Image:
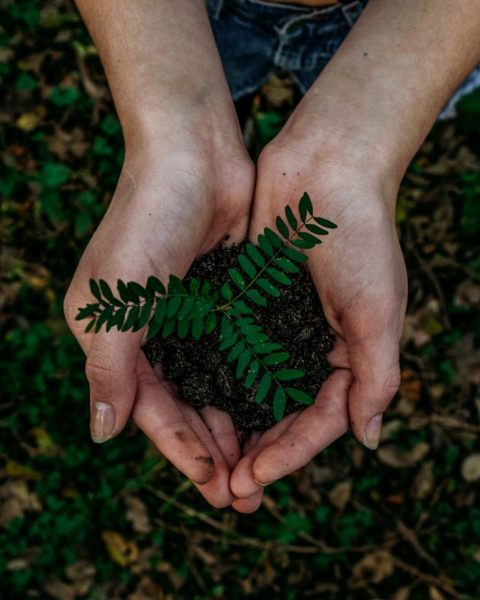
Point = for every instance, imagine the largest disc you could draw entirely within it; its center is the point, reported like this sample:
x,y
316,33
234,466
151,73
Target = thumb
x,y
374,363
111,372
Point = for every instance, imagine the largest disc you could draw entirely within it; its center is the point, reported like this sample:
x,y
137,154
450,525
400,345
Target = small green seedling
x,y
198,310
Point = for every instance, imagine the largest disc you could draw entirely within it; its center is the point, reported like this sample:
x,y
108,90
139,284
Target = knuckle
x,y
101,376
391,384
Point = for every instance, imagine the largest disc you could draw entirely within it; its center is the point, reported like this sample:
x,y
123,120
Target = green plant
x,y
200,310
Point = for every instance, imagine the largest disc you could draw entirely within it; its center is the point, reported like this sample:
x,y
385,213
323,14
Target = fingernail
x,y
102,422
371,436
264,484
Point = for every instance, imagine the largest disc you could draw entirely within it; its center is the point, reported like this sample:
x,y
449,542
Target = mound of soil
x,y
200,370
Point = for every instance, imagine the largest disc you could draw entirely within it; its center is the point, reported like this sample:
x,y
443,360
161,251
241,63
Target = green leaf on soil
x,y
268,287
197,328
236,351
263,388
299,396
256,297
229,341
273,238
265,245
173,306
292,221
243,362
289,374
286,265
237,279
247,266
252,374
210,323
279,276
255,255
295,254
182,328
279,403
276,358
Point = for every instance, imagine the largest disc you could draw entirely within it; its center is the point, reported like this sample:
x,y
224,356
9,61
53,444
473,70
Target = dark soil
x,y
201,372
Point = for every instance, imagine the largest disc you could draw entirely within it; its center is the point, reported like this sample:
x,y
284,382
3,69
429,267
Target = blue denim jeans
x,y
256,37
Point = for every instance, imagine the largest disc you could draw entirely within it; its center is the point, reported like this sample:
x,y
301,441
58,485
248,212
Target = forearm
x,y
161,62
390,78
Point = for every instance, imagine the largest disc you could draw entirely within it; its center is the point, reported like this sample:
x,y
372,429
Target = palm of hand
x,y
360,277
145,233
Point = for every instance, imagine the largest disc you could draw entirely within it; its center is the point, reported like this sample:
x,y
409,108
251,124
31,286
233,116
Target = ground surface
x,y
116,521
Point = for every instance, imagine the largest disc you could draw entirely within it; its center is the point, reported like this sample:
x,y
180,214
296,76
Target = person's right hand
x,y
176,199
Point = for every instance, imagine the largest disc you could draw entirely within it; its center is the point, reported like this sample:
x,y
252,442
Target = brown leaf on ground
x,y
137,514
372,568
471,467
340,495
81,574
423,483
59,590
15,500
393,456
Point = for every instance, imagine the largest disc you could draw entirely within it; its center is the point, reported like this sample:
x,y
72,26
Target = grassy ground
x,y
116,521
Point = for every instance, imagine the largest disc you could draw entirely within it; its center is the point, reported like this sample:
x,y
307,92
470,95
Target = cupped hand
x,y
360,277
169,207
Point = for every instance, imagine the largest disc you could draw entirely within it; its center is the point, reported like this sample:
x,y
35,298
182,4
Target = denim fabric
x,y
256,37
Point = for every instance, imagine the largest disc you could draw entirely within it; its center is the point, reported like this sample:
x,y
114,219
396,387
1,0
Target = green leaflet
x,y
263,388
299,396
247,266
255,255
279,403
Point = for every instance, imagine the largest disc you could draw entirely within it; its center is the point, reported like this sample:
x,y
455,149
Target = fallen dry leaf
x,y
393,456
59,590
423,483
471,467
340,495
122,551
137,514
373,568
15,500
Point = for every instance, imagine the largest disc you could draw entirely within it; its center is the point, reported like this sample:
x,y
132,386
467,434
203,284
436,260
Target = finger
x,y
111,372
159,417
242,482
313,430
373,351
248,505
217,490
223,432
338,357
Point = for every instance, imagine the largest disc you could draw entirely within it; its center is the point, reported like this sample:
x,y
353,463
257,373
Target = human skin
x,y
348,144
186,183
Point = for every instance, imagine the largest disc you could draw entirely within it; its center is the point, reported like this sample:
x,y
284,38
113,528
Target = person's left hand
x,y
360,276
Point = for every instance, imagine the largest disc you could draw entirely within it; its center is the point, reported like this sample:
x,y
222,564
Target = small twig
x,y
430,579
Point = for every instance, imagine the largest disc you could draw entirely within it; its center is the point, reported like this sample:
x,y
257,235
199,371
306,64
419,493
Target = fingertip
x,y
249,505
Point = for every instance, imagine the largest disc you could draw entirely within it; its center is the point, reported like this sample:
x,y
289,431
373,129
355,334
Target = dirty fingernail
x,y
102,422
371,436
